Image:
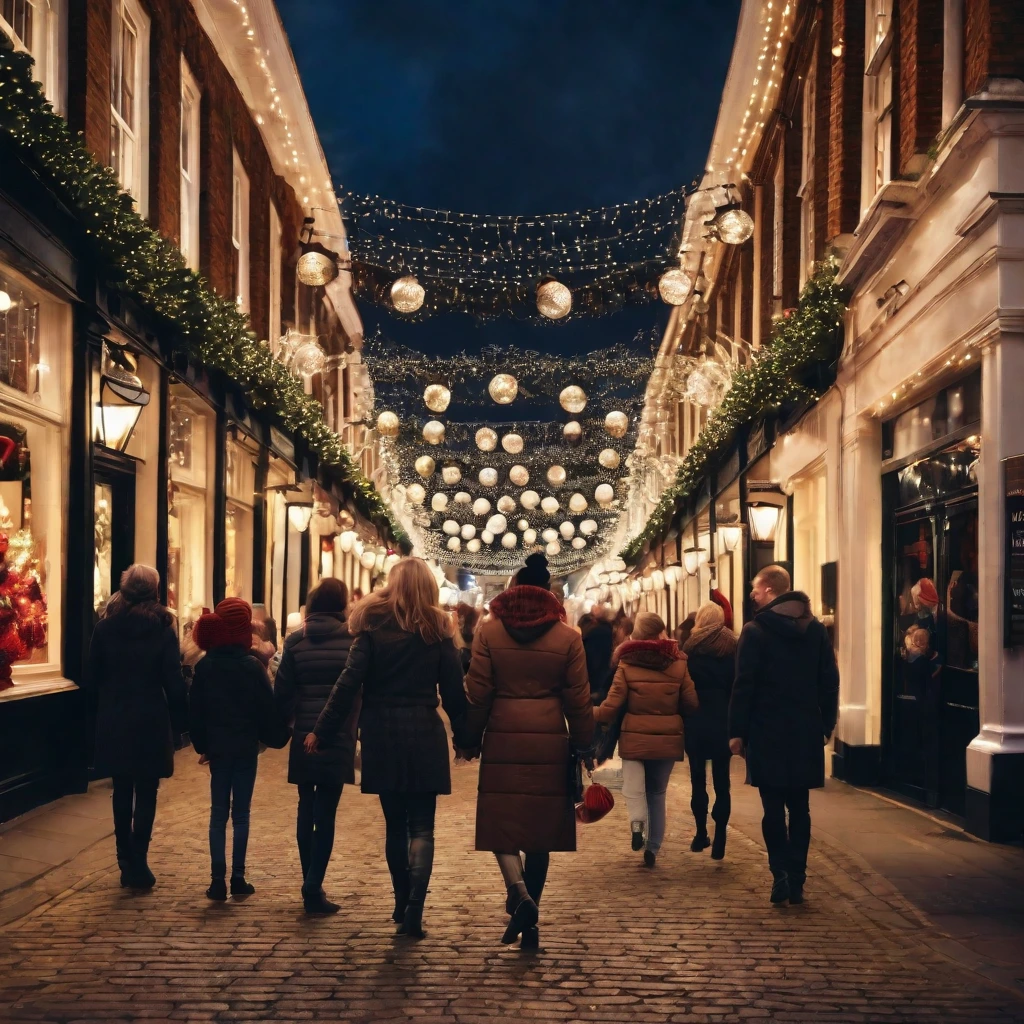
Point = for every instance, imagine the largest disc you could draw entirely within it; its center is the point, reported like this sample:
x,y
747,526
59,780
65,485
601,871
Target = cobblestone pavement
x,y
692,941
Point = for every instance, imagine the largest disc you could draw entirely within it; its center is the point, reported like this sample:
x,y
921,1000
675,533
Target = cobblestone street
x,y
694,940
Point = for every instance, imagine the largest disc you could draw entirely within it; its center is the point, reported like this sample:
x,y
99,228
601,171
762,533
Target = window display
x,y
238,527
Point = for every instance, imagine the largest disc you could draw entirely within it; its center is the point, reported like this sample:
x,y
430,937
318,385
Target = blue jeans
x,y
232,780
644,784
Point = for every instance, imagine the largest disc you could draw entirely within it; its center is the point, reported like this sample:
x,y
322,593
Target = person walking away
x,y
314,657
651,692
469,618
785,702
231,712
685,628
403,655
598,642
711,650
527,679
135,686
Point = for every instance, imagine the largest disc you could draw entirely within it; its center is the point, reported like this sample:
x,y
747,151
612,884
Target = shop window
x,y
806,193
189,150
952,410
276,254
103,503
778,211
240,231
240,483
34,26
880,89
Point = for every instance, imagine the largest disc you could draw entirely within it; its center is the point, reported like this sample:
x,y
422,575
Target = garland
x,y
142,263
810,336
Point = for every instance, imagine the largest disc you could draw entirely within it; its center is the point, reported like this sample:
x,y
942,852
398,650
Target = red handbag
x,y
596,803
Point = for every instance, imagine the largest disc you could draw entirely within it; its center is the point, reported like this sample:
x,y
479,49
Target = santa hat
x,y
723,602
926,592
228,625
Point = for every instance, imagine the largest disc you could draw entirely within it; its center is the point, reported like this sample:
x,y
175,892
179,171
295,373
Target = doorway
x,y
113,523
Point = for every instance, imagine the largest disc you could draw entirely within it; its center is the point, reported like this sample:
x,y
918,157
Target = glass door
x,y
113,524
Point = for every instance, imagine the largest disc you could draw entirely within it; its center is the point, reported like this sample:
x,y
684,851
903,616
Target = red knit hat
x,y
927,592
228,625
723,602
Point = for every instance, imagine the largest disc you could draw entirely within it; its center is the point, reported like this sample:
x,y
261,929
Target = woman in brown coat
x,y
652,690
526,679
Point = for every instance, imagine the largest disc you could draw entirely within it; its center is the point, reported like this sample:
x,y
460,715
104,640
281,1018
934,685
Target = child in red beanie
x,y
231,712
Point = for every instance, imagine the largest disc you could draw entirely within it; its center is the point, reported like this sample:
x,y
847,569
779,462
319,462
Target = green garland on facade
x,y
810,336
142,263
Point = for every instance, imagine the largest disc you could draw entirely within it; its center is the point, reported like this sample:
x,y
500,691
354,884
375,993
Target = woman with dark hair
x,y
136,687
315,655
527,677
402,657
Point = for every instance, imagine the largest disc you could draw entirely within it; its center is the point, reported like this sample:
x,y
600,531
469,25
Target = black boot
x,y
125,861
780,888
522,912
218,889
142,877
401,889
531,939
412,922
718,846
318,903
700,842
239,886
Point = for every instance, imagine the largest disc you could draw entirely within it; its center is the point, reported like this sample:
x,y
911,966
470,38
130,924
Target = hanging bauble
x,y
387,424
463,498
674,286
529,499
549,535
451,475
486,439
425,466
486,536
512,443
554,300
588,527
616,423
572,431
529,537
488,477
523,525
549,505
503,388
450,527
573,399
553,548
416,494
577,503
368,558
436,397
706,385
519,475
605,494
734,226
454,544
556,475
316,266
497,524
579,543
309,358
567,530
439,502
609,458
481,507
407,294
433,431
473,545
506,504
468,531
509,541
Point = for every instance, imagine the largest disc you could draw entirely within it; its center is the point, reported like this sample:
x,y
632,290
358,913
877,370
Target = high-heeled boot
x,y
400,885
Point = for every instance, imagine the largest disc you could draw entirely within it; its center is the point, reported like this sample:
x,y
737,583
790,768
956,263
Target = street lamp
x,y
692,560
299,517
122,399
764,520
730,535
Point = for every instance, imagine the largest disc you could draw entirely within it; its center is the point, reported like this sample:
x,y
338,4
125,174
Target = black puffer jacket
x,y
231,706
314,657
712,664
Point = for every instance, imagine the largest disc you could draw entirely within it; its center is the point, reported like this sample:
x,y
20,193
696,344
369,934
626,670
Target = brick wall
x,y
993,42
845,117
822,105
920,80
89,31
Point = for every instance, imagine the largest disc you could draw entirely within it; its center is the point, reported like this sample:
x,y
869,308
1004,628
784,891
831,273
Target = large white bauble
x,y
474,545
567,530
433,431
549,505
468,531
486,439
549,535
450,527
588,527
425,466
439,502
579,543
605,494
407,294
553,548
506,504
436,397
481,507
488,477
486,536
509,540
523,524
556,475
616,423
512,443
519,475
368,558
503,388
577,503
451,475
529,537
573,399
416,494
454,544
387,424
529,499
497,524
554,300
609,458
572,431
464,497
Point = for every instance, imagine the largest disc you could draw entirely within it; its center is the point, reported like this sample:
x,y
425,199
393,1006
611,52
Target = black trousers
x,y
314,831
409,841
787,847
134,805
699,790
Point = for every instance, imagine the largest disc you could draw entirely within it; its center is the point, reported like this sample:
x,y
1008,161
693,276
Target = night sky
x,y
513,106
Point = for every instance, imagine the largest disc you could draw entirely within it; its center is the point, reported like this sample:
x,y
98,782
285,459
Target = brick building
x,y
887,134
198,109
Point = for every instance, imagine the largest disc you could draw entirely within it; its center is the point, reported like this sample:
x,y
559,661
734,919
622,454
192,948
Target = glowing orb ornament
x,y
529,499
316,268
579,543
450,527
486,536
497,524
416,494
572,431
387,424
468,531
674,286
309,358
425,466
486,439
529,537
519,475
481,507
734,225
451,475
433,431
503,388
436,397
567,530
506,504
573,399
609,458
549,505
509,541
512,443
577,503
454,544
439,502
616,423
588,527
605,494
488,477
464,498
523,525
553,548
474,545
407,294
556,475
549,535
554,300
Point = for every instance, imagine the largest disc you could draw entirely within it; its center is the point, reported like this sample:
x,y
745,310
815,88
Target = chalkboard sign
x,y
1014,601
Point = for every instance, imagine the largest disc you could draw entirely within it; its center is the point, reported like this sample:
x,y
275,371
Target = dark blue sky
x,y
513,106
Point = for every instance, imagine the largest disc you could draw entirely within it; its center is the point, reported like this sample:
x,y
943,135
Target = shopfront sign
x,y
1013,612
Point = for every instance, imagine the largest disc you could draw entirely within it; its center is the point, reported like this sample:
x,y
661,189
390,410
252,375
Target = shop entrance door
x,y
933,707
114,523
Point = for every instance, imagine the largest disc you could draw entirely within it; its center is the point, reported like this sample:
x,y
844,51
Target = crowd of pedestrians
x,y
529,696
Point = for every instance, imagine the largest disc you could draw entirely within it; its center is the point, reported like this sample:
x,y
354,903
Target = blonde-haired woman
x,y
403,655
652,691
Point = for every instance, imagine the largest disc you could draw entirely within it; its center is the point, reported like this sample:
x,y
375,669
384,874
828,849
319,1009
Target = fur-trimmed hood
x,y
715,641
656,654
526,612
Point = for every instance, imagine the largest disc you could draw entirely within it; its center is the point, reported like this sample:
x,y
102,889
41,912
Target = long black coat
x,y
314,657
135,684
597,645
712,664
785,701
404,744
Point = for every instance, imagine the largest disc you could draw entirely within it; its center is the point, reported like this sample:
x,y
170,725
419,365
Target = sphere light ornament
x,y
316,267
605,494
486,439
309,358
572,431
734,225
347,541
454,544
509,541
388,424
529,537
481,507
579,543
609,458
577,503
436,397
519,475
497,524
588,527
368,558
549,505
468,531
573,399
512,443
451,527
439,502
554,300
567,530
503,388
474,545
433,431
464,498
616,423
486,536
522,525
488,477
556,475
416,493
407,294
451,475
506,504
529,499
425,466
549,535
553,548
674,286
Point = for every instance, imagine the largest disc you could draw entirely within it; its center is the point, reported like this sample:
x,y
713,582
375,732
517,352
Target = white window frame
x,y
240,231
276,256
189,167
806,192
881,119
46,46
135,178
778,224
879,24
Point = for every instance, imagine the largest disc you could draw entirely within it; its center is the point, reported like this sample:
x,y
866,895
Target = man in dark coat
x,y
785,702
598,640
